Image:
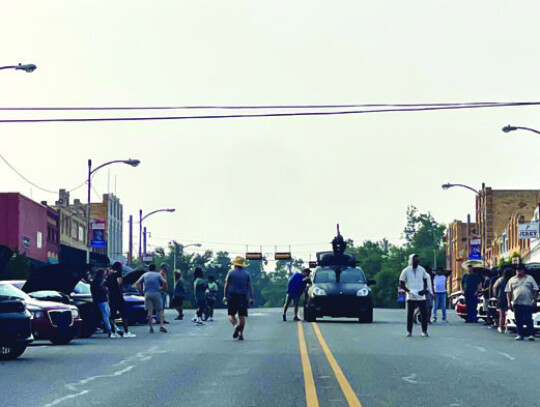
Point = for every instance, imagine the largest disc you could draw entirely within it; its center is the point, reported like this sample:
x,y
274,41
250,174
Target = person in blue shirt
x,y
295,289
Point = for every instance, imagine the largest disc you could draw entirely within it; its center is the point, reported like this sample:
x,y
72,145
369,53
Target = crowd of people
x,y
106,288
513,290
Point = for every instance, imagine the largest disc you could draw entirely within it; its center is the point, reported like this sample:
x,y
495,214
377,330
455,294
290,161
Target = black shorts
x,y
117,308
237,304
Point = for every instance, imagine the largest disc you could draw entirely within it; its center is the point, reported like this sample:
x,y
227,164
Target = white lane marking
x,y
68,397
452,357
73,386
141,356
506,355
481,349
410,379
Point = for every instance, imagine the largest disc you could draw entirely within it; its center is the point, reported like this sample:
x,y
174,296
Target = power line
x,y
242,107
266,115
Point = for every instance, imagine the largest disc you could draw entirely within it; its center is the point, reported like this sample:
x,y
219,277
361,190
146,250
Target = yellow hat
x,y
240,262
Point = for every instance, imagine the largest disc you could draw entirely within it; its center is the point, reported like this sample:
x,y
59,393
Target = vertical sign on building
x,y
475,249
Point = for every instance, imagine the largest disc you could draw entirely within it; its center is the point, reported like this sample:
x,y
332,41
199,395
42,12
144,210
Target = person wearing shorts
x,y
237,288
152,284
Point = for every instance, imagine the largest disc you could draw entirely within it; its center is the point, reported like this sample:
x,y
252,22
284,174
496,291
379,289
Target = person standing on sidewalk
x,y
522,292
116,298
295,289
237,288
178,295
211,297
100,297
439,283
199,289
414,281
152,284
499,289
471,284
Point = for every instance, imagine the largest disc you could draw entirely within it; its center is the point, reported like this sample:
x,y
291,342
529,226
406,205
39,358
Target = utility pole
x,y
130,250
144,238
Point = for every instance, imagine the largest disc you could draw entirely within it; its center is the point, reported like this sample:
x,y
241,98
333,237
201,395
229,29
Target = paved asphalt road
x,y
371,365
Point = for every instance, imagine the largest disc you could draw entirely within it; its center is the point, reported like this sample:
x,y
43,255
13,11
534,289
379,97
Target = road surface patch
x,y
309,382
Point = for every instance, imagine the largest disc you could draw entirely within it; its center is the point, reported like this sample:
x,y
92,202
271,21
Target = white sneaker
x,y
210,319
425,334
518,338
129,335
499,330
531,338
194,319
114,336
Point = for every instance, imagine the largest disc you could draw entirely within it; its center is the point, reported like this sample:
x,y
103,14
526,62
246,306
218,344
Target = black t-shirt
x,y
114,289
99,291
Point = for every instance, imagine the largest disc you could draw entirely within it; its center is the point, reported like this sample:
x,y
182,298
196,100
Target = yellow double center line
x,y
309,382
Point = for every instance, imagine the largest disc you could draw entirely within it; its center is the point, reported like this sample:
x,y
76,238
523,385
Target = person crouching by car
x,y
499,289
100,296
471,285
522,292
414,281
152,284
178,295
295,289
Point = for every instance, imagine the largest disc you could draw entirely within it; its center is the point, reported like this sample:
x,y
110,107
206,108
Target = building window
x,y
39,240
81,233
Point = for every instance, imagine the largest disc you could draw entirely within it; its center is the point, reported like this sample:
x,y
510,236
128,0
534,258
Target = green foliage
x,y
18,267
508,262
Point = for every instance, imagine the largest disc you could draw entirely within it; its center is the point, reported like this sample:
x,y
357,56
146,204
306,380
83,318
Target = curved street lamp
x,y
478,193
26,67
175,243
141,218
132,163
508,129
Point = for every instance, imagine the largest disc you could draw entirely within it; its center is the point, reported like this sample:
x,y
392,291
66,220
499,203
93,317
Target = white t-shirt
x,y
440,284
414,281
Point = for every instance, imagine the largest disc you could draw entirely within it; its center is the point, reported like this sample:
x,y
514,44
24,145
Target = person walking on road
x,y
471,284
414,281
178,295
152,284
211,297
522,292
199,290
237,288
499,289
116,298
439,283
100,297
295,289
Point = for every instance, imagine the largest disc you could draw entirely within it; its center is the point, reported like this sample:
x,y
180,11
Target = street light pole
x,y
508,129
26,67
141,219
133,163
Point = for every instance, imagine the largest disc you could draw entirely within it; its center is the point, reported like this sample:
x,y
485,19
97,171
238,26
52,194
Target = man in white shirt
x,y
414,281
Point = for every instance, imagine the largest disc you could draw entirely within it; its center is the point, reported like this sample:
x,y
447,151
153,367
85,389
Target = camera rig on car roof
x,y
337,257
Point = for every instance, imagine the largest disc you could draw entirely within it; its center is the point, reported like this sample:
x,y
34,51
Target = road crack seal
x,y
411,379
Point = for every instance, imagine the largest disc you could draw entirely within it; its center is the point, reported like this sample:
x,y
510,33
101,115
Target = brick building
x,y
457,250
29,226
72,221
496,207
106,220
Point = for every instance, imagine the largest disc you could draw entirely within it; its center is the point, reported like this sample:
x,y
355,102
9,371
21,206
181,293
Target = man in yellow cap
x,y
237,288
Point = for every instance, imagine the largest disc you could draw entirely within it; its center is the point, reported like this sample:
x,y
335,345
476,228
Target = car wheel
x,y
61,339
309,314
11,352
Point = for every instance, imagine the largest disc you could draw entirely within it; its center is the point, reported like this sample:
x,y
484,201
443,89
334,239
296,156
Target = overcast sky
x,y
273,181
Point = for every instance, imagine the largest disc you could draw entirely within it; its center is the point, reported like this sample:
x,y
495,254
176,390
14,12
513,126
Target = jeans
x,y
471,300
523,315
210,307
411,306
106,314
440,302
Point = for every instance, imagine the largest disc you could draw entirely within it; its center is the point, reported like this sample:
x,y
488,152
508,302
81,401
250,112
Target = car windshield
x,y
10,291
82,288
348,275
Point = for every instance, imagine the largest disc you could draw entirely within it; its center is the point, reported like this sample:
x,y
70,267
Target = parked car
x,y
15,326
339,289
54,321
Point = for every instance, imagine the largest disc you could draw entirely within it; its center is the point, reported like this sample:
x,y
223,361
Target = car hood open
x,y
132,277
56,277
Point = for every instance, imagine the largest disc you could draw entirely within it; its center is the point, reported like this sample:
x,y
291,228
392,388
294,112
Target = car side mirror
x,y
371,282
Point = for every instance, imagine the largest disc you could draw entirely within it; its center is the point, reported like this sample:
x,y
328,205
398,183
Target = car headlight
x,y
75,313
363,292
317,291
37,314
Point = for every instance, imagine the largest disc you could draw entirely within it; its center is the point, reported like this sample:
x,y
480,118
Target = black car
x,y
15,327
340,290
